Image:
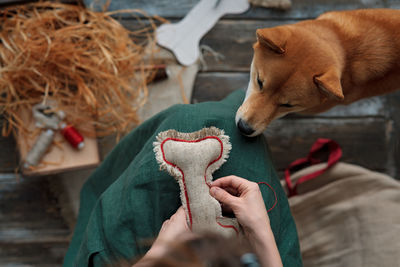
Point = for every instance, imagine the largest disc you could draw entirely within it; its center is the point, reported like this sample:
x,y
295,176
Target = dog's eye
x,y
287,105
260,83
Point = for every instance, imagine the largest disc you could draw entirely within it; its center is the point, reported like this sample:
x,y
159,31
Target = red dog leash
x,y
335,153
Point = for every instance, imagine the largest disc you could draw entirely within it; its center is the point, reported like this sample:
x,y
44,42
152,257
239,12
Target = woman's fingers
x,y
222,196
234,182
231,191
180,213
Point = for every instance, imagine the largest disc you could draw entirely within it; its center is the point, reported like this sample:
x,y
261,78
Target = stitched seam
x,y
229,226
205,173
183,180
196,141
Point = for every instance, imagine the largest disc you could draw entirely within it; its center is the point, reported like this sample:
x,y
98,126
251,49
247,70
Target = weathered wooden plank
x,y
301,9
8,154
364,140
308,9
30,212
393,105
374,106
4,3
47,254
393,4
22,235
234,40
217,85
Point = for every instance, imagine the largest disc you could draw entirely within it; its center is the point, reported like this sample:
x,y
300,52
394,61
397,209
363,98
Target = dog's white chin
x,y
256,133
237,117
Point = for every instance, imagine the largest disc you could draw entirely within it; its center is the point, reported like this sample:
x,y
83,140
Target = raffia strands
x,y
92,67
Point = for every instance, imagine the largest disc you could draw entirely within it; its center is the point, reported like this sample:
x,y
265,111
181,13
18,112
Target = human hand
x,y
173,229
244,199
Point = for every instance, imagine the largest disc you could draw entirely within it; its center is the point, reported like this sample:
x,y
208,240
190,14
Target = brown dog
x,y
313,65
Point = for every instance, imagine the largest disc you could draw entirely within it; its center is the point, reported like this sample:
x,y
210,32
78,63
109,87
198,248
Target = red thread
x,y
183,175
196,141
229,226
276,198
72,136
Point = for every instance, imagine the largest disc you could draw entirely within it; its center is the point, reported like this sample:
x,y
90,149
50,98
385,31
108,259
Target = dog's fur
x,y
313,65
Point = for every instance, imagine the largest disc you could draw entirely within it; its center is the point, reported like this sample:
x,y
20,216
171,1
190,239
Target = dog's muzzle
x,y
244,128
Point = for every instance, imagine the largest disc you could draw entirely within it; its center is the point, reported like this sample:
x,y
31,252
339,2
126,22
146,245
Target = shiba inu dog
x,y
314,65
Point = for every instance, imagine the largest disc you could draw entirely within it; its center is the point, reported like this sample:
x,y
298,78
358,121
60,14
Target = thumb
x,y
180,213
222,196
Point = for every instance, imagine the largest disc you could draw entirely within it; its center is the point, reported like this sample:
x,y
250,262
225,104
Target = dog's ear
x,y
274,38
329,83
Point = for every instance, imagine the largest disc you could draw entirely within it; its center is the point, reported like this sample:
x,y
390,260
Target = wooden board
x,y
393,4
232,39
301,9
58,158
63,158
39,254
32,230
393,107
5,3
8,155
357,136
215,86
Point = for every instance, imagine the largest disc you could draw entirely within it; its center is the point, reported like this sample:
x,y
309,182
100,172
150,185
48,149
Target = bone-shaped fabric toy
x,y
192,158
183,38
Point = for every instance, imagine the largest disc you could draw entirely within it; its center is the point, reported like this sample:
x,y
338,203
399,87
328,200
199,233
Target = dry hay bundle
x,y
91,66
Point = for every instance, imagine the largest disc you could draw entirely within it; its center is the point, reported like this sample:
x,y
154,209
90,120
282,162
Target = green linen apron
x,y
126,200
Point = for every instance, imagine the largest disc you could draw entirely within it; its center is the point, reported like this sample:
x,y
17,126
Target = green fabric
x,y
126,200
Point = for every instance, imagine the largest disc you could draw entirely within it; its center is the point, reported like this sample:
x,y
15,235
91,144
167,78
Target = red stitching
x,y
183,179
276,198
229,226
196,141
205,173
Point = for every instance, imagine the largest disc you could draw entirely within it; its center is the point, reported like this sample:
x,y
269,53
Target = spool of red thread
x,y
72,136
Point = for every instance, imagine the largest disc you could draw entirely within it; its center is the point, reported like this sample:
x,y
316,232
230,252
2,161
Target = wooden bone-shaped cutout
x,y
192,158
183,37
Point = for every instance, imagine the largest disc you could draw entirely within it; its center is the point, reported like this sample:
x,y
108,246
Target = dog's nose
x,y
244,128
